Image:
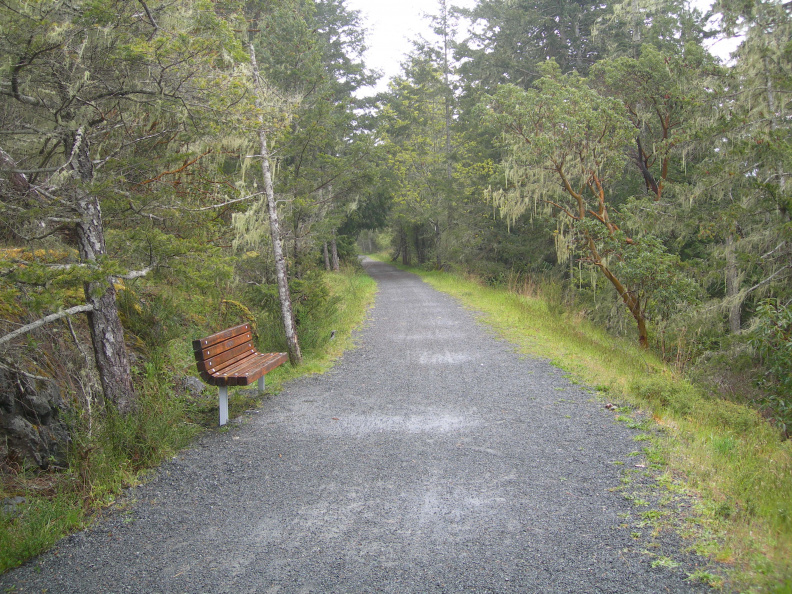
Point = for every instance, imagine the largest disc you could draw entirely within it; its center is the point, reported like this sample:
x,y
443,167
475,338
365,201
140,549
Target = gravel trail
x,y
432,458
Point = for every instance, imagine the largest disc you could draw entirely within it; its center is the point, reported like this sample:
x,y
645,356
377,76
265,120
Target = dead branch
x,y
224,204
45,320
137,273
174,171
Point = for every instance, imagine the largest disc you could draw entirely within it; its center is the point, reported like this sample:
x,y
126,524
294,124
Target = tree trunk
x,y
326,257
733,301
773,123
334,250
632,304
420,249
404,247
287,314
296,252
630,300
107,333
438,247
636,24
447,95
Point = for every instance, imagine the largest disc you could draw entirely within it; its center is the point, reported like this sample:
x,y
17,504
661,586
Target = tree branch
x,y
26,374
149,15
216,206
771,252
175,171
765,281
137,273
562,209
45,320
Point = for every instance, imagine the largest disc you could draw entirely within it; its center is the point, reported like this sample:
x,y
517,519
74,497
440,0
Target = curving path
x,y
432,458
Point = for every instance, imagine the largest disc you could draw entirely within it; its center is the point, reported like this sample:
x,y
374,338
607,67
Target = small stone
x,y
193,385
10,506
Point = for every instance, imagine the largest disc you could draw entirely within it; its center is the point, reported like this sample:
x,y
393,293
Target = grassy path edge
x,y
61,503
733,464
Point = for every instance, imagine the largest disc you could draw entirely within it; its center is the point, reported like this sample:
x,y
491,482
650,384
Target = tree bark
x,y
326,257
334,248
287,314
630,300
733,287
107,333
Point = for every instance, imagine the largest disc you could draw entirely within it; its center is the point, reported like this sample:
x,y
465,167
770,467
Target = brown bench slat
x,y
266,362
222,372
246,371
223,360
209,341
224,346
249,370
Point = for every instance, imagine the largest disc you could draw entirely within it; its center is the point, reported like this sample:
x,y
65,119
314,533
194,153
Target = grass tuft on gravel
x,y
737,465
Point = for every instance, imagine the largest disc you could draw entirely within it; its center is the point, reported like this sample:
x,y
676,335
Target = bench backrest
x,y
218,351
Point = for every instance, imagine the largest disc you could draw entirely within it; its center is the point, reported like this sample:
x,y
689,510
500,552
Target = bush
x,y
772,339
152,317
314,312
679,397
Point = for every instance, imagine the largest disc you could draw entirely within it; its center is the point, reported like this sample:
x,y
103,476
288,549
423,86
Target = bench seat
x,y
228,358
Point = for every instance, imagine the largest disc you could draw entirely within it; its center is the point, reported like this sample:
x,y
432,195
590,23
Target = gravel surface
x,y
432,458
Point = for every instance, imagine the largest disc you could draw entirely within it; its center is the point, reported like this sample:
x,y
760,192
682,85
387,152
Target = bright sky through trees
x,y
391,26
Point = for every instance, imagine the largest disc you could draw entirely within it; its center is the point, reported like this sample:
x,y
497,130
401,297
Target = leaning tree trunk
x,y
632,303
287,314
107,333
630,300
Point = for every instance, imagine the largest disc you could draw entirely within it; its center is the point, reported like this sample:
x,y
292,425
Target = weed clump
x,y
675,396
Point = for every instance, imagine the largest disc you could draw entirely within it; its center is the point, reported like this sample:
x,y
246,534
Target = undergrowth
x,y
737,464
109,453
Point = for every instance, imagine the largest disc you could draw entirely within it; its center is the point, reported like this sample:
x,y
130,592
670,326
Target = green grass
x,y
118,452
40,524
736,464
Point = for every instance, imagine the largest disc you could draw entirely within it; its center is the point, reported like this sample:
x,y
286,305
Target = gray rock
x,y
31,428
193,385
10,506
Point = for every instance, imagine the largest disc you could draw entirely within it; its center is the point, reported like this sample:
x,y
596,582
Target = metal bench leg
x,y
261,384
223,405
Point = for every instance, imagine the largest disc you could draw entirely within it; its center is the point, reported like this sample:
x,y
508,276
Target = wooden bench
x,y
228,358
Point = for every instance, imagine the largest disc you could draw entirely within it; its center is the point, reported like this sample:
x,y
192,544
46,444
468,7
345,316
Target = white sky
x,y
391,24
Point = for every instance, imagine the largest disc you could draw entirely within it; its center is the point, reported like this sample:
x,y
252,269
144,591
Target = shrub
x,y
772,339
314,312
677,396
